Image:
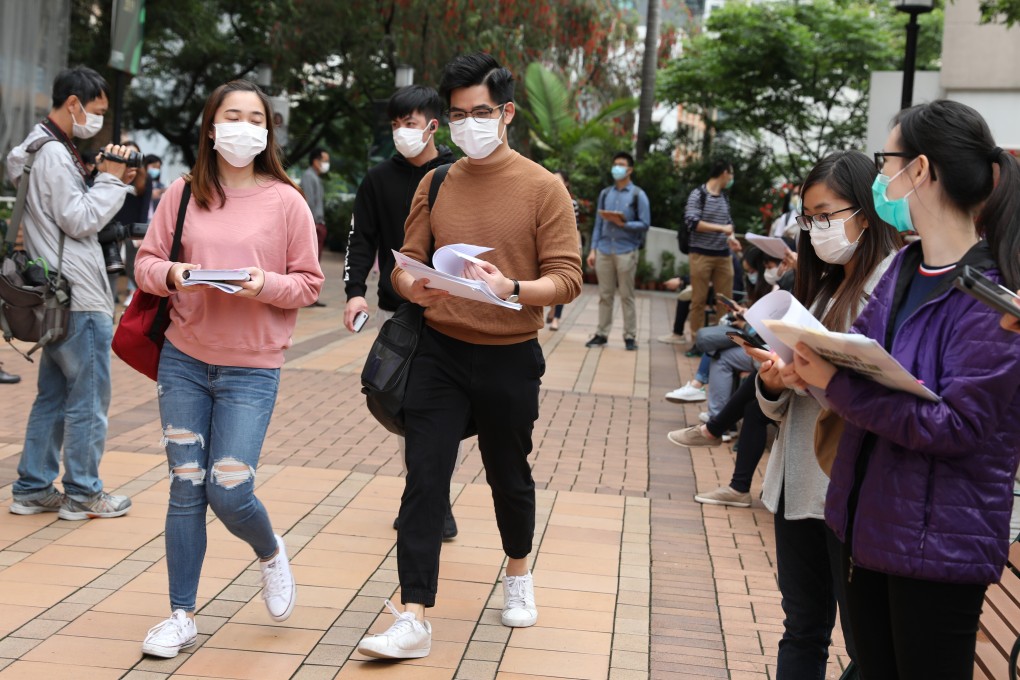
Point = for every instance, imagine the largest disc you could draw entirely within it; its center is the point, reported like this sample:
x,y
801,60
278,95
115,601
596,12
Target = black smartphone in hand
x,y
732,304
743,338
999,298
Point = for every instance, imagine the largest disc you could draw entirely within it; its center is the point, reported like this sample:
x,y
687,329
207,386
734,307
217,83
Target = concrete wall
x,y
884,101
978,56
659,241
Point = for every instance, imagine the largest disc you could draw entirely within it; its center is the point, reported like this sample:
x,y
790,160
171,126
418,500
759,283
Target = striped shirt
x,y
716,211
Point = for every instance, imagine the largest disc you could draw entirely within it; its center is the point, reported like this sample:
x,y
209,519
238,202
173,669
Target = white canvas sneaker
x,y
687,394
168,638
519,609
407,638
278,589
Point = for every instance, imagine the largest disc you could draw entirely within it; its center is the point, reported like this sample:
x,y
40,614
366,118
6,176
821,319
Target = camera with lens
x,y
110,238
134,159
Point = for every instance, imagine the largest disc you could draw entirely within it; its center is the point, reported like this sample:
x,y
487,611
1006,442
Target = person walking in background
x,y
154,169
136,210
478,362
708,218
382,205
921,490
311,185
622,221
219,370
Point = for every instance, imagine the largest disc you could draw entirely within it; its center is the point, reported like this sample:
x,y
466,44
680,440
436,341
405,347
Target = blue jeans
x,y
69,411
214,422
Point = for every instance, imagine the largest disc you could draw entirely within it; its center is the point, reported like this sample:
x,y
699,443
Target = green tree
x,y
1000,11
790,74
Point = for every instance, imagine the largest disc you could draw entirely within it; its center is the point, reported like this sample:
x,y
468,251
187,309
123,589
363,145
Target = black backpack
x,y
683,235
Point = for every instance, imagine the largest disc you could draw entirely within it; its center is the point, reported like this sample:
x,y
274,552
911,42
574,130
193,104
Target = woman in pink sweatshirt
x,y
220,366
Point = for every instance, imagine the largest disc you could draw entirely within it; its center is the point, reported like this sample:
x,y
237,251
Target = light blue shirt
x,y
610,239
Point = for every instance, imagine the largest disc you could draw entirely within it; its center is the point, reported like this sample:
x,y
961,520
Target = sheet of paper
x,y
216,275
855,352
770,245
470,289
225,287
450,259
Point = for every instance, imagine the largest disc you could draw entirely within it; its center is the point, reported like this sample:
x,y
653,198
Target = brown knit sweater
x,y
524,213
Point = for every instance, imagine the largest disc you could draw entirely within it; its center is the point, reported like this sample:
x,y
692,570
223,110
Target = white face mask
x,y
831,245
409,142
772,276
239,143
323,167
93,124
477,138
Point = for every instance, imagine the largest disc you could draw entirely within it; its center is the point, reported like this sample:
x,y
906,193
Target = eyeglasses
x,y
457,117
880,157
821,220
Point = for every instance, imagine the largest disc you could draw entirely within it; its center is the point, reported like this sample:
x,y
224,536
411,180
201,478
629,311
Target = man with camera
x,y
61,209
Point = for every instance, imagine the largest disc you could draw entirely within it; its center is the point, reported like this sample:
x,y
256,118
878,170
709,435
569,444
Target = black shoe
x,y
396,523
8,378
693,352
316,304
449,525
630,343
597,341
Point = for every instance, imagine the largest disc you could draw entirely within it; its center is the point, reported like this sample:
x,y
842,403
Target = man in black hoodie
x,y
384,197
383,203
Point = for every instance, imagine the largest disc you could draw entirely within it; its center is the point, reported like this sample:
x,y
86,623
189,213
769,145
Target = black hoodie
x,y
381,207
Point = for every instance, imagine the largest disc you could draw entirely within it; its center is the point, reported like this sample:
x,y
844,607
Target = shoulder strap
x,y
704,196
437,179
602,199
19,202
161,320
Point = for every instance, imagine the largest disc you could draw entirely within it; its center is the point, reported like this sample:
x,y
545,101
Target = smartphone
x,y
999,298
732,304
743,338
359,321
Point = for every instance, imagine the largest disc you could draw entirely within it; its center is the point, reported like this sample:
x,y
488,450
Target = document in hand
x,y
770,245
783,322
449,273
217,278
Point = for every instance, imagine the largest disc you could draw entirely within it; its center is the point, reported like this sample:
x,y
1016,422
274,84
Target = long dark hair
x,y
849,175
756,259
204,177
962,152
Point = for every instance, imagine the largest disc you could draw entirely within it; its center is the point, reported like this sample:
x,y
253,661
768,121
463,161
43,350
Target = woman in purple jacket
x,y
921,491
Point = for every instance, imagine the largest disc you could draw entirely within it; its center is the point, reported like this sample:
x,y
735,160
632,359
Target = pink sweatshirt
x,y
269,227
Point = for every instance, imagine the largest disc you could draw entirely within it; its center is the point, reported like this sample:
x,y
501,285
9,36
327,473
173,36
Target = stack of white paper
x,y
449,273
216,278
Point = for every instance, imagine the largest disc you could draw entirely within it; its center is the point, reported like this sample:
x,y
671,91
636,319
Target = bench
x,y
998,640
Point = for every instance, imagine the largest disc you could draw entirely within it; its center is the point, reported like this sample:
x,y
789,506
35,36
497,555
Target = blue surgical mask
x,y
154,173
752,278
619,172
729,185
895,212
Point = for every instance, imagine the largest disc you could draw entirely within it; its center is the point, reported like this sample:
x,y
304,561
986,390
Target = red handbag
x,y
142,328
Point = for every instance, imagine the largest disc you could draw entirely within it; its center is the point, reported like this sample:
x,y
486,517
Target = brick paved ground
x,y
634,579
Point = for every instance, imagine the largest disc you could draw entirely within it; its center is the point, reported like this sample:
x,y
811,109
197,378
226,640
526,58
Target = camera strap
x,y
59,135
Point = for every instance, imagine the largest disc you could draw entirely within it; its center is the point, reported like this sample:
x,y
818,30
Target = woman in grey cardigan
x,y
844,249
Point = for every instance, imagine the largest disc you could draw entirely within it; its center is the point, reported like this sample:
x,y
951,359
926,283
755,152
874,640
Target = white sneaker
x,y
519,609
407,638
704,417
687,394
278,589
166,639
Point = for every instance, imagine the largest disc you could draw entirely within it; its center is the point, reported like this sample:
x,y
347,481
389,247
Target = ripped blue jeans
x,y
214,422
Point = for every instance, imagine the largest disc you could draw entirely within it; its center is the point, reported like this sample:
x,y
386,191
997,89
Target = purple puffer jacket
x,y
935,484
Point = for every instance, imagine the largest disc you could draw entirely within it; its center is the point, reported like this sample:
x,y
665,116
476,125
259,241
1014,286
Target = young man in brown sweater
x,y
478,361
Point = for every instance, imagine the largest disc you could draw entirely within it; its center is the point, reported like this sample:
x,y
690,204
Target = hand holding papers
x,y
449,273
783,322
217,278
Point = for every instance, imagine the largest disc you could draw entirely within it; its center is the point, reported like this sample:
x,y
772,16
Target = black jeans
x,y
683,308
808,564
450,383
909,629
743,405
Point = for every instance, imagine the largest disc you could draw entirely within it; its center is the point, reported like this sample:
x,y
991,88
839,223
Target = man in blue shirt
x,y
621,224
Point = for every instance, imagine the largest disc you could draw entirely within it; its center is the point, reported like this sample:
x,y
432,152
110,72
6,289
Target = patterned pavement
x,y
633,579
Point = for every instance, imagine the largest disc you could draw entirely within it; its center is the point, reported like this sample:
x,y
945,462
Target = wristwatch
x,y
513,297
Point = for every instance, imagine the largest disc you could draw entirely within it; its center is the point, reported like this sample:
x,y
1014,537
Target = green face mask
x,y
730,183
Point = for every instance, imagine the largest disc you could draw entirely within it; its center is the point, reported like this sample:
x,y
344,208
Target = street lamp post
x,y
913,8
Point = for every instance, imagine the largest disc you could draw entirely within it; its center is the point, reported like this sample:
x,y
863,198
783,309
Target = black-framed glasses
x,y
821,220
457,116
880,157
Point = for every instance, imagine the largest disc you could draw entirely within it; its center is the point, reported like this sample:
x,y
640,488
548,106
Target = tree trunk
x,y
648,69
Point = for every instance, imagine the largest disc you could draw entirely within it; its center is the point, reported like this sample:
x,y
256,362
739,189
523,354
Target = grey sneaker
x,y
51,502
100,506
692,436
725,495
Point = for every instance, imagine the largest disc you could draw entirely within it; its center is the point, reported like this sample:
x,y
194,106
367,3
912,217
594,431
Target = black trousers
x,y
909,629
807,561
683,308
450,383
743,405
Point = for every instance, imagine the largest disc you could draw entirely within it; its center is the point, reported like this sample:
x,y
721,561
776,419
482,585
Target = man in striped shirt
x,y
708,218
